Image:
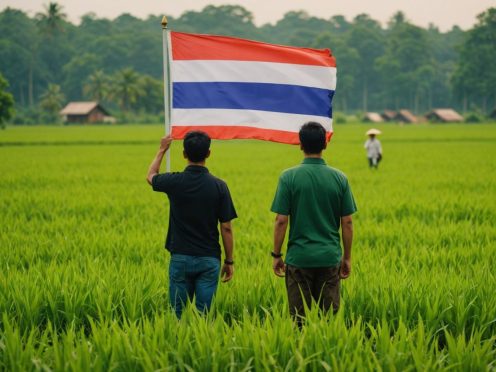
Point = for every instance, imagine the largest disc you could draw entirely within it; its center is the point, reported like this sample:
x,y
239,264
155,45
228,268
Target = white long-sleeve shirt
x,y
373,146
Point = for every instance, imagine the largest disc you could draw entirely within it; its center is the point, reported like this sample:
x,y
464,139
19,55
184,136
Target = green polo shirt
x,y
315,197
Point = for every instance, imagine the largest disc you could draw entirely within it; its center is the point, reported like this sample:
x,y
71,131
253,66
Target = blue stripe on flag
x,y
292,99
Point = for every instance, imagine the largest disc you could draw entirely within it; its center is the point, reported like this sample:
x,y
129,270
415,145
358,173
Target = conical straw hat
x,y
373,131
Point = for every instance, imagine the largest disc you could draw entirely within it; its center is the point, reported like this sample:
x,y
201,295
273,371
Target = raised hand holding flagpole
x,y
167,86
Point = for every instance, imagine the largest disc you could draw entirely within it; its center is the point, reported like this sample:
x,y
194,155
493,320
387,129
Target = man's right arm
x,y
347,237
227,213
226,232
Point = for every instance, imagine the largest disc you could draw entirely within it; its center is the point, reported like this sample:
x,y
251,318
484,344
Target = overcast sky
x,y
442,13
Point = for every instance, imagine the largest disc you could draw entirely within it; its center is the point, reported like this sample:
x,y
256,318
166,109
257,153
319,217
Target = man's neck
x,y
313,156
200,164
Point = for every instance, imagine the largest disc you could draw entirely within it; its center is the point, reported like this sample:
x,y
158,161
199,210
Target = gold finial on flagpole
x,y
164,22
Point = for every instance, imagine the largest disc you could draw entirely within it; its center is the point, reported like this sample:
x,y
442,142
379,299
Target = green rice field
x,y
83,279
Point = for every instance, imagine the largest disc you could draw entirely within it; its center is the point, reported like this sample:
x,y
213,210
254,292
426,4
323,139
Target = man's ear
x,y
184,154
325,145
301,147
208,154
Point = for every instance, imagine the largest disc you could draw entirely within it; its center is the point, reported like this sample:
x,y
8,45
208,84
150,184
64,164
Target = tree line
x,y
48,60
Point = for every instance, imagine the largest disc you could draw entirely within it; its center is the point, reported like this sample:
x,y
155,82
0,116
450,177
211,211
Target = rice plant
x,y
83,280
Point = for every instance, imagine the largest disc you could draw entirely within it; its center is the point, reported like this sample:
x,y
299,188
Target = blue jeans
x,y
192,276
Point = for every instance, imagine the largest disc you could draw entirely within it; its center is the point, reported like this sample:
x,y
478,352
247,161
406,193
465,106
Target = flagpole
x,y
167,91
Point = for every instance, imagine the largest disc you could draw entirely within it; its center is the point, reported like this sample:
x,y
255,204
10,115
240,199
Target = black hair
x,y
312,137
196,145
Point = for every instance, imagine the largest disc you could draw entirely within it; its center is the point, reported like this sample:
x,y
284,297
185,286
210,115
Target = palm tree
x,y
52,20
6,102
52,99
97,86
153,100
126,88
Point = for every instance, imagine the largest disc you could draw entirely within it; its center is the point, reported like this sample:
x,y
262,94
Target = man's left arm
x,y
281,205
280,227
165,143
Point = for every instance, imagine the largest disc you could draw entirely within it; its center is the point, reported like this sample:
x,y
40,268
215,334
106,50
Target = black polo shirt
x,y
198,202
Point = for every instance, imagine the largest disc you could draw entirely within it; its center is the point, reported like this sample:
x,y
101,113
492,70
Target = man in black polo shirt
x,y
198,202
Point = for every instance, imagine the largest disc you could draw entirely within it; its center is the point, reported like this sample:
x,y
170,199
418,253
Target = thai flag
x,y
237,88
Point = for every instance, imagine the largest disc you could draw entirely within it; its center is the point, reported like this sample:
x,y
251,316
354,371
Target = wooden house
x,y
405,116
86,112
388,115
372,117
445,115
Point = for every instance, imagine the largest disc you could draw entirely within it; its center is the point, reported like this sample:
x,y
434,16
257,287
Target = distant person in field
x,y
374,148
316,200
198,203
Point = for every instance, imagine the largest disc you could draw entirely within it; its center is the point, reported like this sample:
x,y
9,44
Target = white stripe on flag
x,y
254,72
251,118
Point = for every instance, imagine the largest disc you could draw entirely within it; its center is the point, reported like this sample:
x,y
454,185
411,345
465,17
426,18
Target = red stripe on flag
x,y
209,47
241,132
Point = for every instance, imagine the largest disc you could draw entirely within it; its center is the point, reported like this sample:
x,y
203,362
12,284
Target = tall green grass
x,y
83,284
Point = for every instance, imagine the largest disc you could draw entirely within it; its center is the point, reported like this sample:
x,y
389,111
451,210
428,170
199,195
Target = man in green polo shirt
x,y
316,200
